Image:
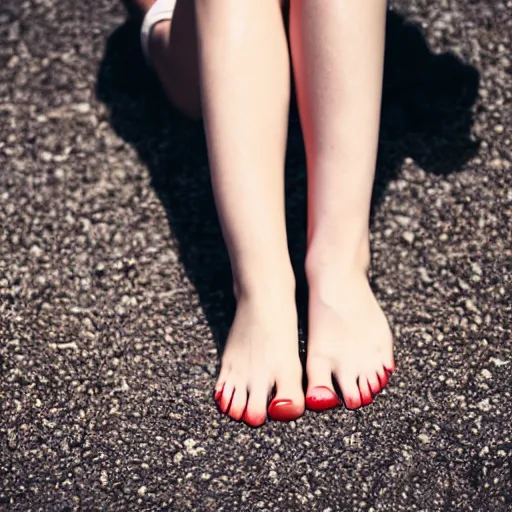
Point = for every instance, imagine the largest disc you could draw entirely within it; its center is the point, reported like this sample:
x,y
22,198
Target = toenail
x,y
252,420
225,402
283,410
390,369
237,416
218,393
383,379
353,404
279,403
366,400
321,398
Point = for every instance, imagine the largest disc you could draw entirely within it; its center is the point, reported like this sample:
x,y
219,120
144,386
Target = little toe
x,y
320,394
256,412
238,403
221,380
389,365
364,389
288,404
218,392
350,391
227,395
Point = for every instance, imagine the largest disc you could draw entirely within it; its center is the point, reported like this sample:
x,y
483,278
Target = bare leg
x,y
337,49
245,83
173,55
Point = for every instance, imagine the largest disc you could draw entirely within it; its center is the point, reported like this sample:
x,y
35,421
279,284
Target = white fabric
x,y
161,10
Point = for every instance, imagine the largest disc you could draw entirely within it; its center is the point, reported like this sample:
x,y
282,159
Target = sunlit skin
x,y
229,62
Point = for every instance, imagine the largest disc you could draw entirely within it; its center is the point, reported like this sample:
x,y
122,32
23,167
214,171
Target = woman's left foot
x,y
350,338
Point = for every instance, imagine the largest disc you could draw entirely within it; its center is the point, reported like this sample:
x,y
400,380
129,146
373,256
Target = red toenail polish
x,y
283,410
321,398
252,420
278,404
390,369
218,393
383,379
366,400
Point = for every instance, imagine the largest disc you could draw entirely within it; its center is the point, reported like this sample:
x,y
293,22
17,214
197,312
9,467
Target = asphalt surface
x,y
115,291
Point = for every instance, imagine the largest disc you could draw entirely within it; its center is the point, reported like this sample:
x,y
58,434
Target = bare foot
x,y
350,338
262,352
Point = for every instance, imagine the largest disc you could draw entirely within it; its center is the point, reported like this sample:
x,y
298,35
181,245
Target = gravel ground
x,y
115,291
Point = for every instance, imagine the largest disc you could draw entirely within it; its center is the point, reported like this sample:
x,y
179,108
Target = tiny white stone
x,y
36,251
403,220
484,451
82,108
498,362
142,490
477,269
424,438
486,374
189,443
408,237
484,405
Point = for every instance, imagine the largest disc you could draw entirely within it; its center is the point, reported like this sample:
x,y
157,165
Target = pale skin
x,y
229,62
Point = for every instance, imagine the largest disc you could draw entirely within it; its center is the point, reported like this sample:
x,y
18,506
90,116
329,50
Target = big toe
x,y
288,404
320,394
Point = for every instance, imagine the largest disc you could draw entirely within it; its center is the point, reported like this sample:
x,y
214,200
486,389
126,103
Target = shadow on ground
x,y
426,115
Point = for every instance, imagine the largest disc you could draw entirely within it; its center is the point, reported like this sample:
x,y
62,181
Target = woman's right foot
x,y
261,354
349,337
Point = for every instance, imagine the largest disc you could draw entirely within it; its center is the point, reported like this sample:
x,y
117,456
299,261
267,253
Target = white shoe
x,y
161,10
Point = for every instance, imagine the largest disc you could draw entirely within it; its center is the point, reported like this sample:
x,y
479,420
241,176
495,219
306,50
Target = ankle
x,y
265,288
329,266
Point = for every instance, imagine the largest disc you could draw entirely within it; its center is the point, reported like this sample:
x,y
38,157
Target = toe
x,y
364,390
383,377
350,391
321,398
221,380
389,365
284,409
218,392
320,394
256,411
373,382
227,395
288,404
238,403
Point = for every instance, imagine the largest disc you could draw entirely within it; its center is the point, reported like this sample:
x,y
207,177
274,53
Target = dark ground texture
x,y
115,291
